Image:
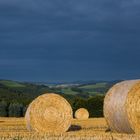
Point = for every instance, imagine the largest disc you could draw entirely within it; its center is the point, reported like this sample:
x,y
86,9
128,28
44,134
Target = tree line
x,y
11,109
93,104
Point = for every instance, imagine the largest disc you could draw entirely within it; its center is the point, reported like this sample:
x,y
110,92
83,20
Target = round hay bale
x,y
49,113
122,107
82,114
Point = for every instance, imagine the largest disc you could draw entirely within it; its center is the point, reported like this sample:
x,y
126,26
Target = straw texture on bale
x,y
122,107
49,113
82,114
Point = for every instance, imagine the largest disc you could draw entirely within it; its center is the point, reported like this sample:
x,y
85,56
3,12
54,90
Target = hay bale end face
x,y
82,114
122,107
49,113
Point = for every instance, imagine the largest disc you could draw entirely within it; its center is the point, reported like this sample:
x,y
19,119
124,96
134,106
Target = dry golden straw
x,y
49,113
122,107
82,114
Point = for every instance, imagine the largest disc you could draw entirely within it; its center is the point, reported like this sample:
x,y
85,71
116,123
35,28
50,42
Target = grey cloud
x,y
94,37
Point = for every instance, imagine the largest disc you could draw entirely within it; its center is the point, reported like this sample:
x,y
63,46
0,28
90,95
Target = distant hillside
x,y
16,96
83,89
24,92
87,89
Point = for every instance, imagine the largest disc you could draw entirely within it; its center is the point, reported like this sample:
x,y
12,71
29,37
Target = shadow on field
x,y
108,130
74,128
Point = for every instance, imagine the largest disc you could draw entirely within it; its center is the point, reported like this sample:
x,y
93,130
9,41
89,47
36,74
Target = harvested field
x,y
91,129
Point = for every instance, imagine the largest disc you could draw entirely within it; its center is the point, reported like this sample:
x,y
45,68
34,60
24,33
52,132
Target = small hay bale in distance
x,y
49,113
82,114
122,107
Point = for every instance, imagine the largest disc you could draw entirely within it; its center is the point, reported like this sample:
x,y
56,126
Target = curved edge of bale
x,y
116,106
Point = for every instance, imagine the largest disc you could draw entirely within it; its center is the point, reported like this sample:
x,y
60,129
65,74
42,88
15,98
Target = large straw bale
x,y
82,114
122,107
49,113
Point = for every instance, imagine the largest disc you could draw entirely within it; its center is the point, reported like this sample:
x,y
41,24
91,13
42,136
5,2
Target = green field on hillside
x,y
11,83
94,86
68,91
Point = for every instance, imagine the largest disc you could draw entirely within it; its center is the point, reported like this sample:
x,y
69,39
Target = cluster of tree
x,y
11,109
93,104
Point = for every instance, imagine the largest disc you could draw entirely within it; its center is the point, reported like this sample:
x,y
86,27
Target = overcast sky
x,y
68,40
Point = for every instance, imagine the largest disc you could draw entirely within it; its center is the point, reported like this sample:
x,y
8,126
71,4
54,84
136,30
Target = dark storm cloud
x,y
69,40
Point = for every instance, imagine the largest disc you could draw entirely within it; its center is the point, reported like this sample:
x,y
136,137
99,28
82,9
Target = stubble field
x,y
91,129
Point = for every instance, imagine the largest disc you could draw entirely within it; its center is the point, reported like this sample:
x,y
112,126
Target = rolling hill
x,y
16,96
